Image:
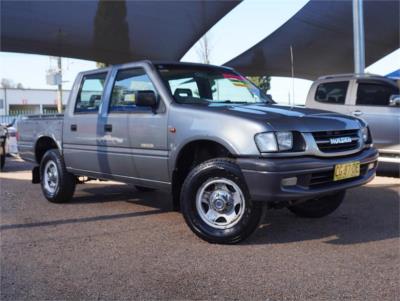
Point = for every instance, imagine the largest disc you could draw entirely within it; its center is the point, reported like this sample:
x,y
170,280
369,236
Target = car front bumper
x,y
314,176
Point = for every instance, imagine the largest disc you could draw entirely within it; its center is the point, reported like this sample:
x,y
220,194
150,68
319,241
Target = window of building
x,y
332,93
375,94
90,93
127,83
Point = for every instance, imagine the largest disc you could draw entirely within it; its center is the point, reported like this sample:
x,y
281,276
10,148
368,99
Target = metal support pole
x,y
358,37
59,87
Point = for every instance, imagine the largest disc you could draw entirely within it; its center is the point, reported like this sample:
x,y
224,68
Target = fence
x,y
7,119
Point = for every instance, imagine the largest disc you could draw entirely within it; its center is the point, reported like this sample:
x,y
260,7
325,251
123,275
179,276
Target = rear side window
x,y
128,82
90,93
375,94
333,93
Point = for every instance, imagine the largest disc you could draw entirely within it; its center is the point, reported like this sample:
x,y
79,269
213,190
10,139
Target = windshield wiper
x,y
230,101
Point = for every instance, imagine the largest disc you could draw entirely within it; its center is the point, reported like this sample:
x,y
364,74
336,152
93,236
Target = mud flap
x,y
36,175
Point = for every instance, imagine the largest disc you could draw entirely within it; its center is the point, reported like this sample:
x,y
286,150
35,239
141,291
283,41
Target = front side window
x,y
375,94
127,83
209,85
90,93
332,93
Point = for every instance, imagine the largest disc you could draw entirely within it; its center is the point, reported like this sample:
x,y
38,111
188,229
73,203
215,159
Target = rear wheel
x,y
216,204
58,185
319,207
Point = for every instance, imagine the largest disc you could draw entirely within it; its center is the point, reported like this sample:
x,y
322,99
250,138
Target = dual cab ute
x,y
205,134
373,98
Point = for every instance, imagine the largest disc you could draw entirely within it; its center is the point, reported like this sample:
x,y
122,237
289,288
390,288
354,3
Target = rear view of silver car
x,y
373,98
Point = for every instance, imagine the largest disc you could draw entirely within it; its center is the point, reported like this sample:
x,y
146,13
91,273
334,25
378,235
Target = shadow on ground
x,y
369,213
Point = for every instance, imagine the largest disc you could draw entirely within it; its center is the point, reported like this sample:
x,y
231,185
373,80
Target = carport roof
x,y
108,31
321,34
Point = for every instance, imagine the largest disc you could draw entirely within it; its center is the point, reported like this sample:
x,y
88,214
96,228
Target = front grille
x,y
323,140
326,177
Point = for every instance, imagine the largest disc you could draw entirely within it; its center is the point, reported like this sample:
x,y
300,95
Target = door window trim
x,y
134,110
82,79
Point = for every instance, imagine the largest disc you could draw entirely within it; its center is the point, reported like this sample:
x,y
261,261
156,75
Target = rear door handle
x,y
357,113
108,127
74,127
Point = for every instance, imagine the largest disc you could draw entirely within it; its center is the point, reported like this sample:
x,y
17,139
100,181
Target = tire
x,y
2,157
58,185
143,189
2,161
211,189
319,207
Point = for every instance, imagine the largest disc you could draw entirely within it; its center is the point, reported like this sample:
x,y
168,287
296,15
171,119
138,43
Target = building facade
x,y
16,102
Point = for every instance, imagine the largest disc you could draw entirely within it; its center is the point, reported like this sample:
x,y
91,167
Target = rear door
x,y
371,103
81,123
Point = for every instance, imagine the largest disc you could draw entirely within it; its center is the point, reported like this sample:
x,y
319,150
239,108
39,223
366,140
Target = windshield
x,y
209,85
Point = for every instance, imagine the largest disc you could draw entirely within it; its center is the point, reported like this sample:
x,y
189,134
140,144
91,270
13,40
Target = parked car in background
x,y
11,142
3,137
373,98
8,142
205,134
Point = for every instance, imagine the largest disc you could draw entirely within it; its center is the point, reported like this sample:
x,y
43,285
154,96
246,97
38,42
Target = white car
x,y
11,141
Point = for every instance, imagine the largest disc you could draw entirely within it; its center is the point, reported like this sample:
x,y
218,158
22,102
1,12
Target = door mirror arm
x,y
147,98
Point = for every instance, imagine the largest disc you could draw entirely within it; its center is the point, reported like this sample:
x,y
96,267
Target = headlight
x,y
273,142
285,140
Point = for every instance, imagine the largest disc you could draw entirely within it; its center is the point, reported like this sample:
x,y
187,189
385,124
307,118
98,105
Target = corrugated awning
x,y
321,34
108,31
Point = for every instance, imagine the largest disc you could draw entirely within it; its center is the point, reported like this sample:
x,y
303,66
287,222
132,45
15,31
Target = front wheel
x,y
58,185
319,207
216,204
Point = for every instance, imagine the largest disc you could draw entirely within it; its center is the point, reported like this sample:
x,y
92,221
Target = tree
x,y
7,83
262,82
101,65
204,49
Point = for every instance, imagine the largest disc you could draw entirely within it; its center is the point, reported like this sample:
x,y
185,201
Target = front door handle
x,y
74,127
108,127
357,113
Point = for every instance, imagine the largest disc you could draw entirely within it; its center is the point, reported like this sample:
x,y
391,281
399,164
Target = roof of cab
x,y
157,63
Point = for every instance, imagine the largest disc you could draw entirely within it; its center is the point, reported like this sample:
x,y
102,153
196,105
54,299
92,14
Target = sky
x,y
261,19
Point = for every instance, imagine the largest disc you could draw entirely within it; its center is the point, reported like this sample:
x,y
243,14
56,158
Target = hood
x,y
287,118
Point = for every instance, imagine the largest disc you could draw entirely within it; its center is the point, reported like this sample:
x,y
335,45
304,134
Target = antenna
x,y
292,66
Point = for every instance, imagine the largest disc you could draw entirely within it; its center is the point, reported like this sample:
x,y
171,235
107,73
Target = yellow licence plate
x,y
346,170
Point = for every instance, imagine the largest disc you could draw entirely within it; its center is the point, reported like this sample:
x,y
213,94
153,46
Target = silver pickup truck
x,y
205,134
373,98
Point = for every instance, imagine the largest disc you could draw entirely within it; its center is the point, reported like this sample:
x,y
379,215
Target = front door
x,y
372,104
137,135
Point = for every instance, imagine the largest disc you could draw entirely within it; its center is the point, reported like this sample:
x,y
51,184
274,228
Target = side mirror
x,y
146,98
394,100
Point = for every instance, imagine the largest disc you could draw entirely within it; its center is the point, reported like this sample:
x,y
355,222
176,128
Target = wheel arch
x,y
42,145
191,154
